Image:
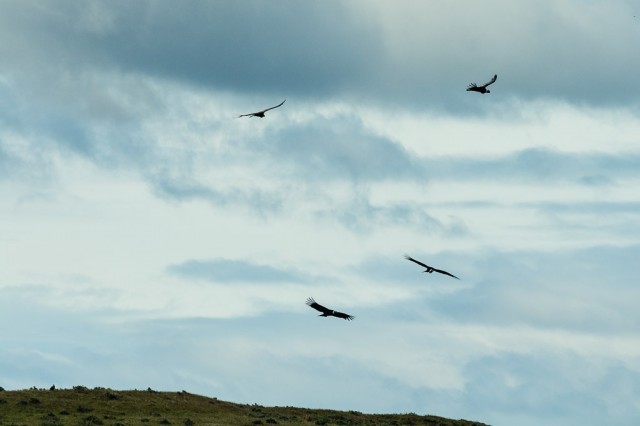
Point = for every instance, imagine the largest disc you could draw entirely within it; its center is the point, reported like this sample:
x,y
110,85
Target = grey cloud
x,y
543,163
540,165
10,164
301,159
603,220
588,290
567,58
549,388
361,215
49,344
226,270
246,45
186,188
595,180
341,148
250,45
599,207
320,50
68,123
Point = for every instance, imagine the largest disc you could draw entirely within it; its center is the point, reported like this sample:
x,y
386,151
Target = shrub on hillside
x,y
51,420
90,421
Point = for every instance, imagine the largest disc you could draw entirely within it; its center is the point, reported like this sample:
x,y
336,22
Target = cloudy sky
x,y
150,238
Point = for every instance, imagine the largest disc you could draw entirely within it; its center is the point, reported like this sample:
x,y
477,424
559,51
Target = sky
x,y
151,238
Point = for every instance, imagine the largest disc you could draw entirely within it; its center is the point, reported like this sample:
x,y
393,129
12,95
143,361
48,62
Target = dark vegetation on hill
x,y
81,406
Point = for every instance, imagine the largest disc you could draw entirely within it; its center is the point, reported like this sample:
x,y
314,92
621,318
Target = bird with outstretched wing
x,y
326,312
482,89
261,113
428,268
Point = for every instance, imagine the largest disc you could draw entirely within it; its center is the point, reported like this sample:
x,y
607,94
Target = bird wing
x,y
343,315
279,105
445,272
493,80
317,306
406,256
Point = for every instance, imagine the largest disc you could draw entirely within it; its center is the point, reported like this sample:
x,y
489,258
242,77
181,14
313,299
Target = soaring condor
x,y
261,113
328,312
429,269
482,89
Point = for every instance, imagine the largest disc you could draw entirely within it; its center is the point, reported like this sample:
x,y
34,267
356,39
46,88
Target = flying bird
x,y
482,89
328,312
429,269
261,113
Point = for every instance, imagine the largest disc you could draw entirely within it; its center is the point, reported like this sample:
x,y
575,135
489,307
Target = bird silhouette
x,y
482,89
326,312
428,268
261,113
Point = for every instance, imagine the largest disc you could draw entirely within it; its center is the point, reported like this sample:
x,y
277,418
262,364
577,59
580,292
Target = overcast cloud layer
x,y
149,237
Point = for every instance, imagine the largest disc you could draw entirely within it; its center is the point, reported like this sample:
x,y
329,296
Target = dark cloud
x,y
226,270
325,50
246,46
250,46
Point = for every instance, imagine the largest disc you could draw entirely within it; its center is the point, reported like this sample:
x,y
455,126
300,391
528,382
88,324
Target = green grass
x,y
88,407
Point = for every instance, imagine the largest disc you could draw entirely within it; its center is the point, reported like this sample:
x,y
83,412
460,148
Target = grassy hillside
x,y
84,407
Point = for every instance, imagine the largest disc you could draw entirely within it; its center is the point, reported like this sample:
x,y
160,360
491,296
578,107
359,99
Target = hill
x,y
81,406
